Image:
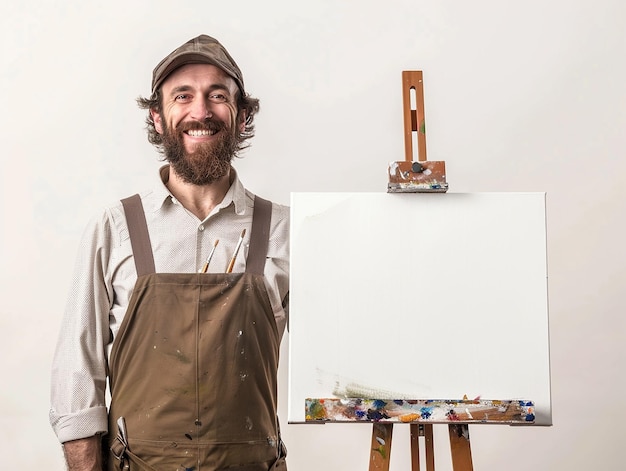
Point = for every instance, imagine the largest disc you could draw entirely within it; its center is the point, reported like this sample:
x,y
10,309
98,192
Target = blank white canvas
x,y
419,296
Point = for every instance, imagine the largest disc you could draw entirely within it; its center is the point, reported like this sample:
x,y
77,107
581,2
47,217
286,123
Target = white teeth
x,y
199,132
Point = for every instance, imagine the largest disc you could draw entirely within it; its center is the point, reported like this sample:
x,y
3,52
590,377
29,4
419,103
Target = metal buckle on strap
x,y
282,449
120,444
118,448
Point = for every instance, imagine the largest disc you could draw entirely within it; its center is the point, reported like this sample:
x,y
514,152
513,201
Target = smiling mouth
x,y
200,132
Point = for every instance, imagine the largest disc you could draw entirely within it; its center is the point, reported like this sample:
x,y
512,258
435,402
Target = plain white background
x,y
520,96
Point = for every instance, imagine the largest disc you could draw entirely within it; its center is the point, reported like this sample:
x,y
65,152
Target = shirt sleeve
x,y
278,263
79,371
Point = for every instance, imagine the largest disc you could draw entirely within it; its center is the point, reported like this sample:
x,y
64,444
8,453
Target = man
x,y
180,296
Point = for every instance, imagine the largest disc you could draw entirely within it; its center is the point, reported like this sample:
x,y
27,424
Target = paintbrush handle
x,y
232,260
208,260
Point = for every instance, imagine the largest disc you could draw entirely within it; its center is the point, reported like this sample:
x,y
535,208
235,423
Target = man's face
x,y
199,122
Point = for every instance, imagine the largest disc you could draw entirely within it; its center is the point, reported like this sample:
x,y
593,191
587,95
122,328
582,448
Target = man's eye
x,y
182,97
217,98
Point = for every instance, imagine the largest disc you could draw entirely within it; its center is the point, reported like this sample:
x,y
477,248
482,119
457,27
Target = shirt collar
x,y
236,194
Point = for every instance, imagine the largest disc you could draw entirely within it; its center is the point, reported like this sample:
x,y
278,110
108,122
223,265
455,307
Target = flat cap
x,y
200,50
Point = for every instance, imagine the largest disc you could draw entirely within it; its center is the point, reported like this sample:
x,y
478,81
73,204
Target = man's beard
x,y
209,161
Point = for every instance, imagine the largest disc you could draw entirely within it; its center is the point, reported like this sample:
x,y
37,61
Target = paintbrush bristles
x,y
234,257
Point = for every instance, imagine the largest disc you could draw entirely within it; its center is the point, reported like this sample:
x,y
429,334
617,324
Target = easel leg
x,y
415,446
380,453
426,431
381,447
430,452
460,447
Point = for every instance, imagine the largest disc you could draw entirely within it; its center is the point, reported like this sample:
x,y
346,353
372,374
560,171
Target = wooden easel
x,y
382,434
414,122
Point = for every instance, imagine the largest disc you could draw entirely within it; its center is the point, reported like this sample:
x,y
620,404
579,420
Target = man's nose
x,y
202,110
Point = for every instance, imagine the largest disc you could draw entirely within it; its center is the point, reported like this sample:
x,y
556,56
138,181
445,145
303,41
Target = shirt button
x,y
200,228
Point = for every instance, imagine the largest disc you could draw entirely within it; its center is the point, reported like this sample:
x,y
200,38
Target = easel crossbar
x,y
420,411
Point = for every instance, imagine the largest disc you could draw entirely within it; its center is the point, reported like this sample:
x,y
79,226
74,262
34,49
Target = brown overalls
x,y
193,367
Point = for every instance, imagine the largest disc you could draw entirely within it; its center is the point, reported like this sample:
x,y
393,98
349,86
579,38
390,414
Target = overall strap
x,y
139,236
142,249
259,236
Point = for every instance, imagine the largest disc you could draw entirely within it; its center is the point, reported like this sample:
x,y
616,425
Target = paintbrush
x,y
232,260
208,260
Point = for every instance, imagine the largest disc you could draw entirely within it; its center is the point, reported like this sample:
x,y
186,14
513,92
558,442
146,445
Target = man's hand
x,y
84,454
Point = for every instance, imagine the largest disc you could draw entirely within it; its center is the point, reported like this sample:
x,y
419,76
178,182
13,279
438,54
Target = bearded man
x,y
180,296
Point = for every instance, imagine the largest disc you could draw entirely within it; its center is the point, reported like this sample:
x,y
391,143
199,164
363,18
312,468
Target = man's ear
x,y
243,116
156,117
